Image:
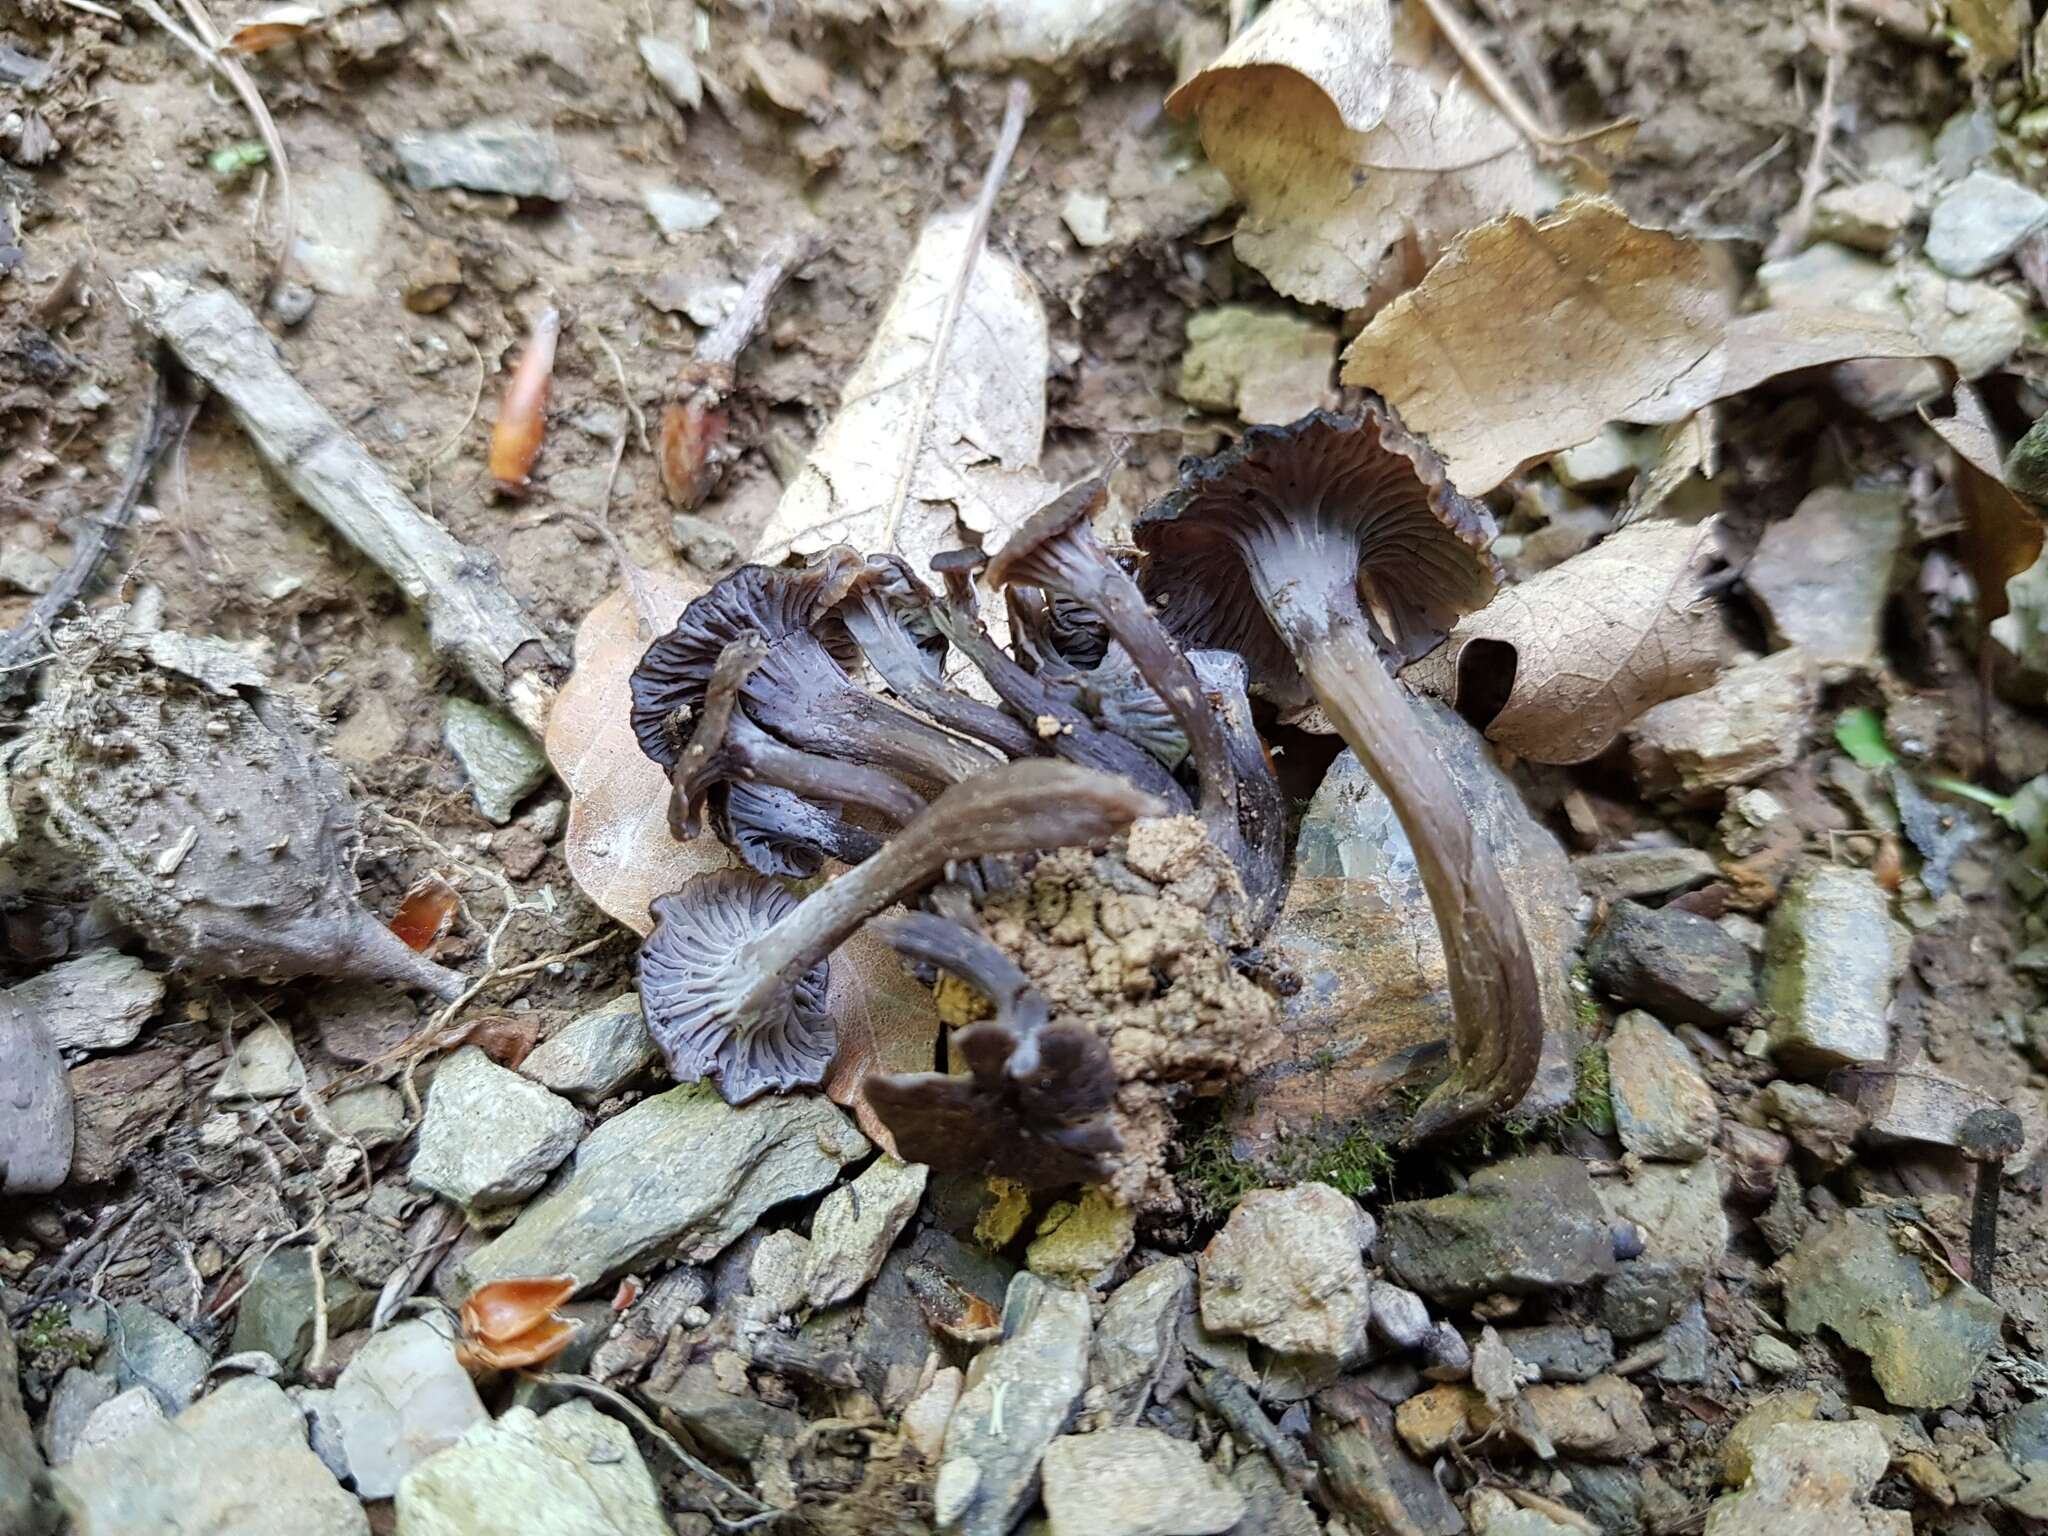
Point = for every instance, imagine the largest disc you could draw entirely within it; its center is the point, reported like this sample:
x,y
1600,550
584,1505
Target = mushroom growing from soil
x,y
1033,1105
1319,552
733,976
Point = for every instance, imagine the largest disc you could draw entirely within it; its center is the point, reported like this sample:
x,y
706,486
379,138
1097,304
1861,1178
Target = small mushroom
x,y
1033,1105
733,976
1063,725
801,693
1110,689
1987,1139
779,833
1314,550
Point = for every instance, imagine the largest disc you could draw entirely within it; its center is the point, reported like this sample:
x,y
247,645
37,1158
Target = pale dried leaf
x,y
2002,534
1354,150
1529,337
976,473
1592,643
620,853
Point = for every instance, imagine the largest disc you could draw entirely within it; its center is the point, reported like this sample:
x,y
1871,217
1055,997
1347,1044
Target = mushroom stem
x,y
1497,1037
1022,808
856,726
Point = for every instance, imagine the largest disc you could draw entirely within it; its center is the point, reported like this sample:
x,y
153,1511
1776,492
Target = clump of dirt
x,y
1137,943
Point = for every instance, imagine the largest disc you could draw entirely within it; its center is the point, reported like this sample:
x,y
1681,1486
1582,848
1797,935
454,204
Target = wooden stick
x,y
472,620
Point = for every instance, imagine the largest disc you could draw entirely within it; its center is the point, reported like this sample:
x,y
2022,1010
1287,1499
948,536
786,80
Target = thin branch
x,y
1016,108
1792,233
1473,55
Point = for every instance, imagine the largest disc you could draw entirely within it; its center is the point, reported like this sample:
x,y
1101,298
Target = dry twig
x,y
1792,233
1473,55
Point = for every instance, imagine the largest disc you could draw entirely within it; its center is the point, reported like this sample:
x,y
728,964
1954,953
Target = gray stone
x,y
1262,364
622,1200
1135,1482
1134,1342
1832,956
265,1065
27,570
1358,928
504,764
323,1429
708,303
681,210
24,1501
98,1001
1288,1269
147,1350
490,1137
1530,1224
2026,467
277,1309
1367,1472
1927,1334
1630,873
120,1416
1773,1355
733,1423
1493,1513
1679,965
673,70
72,1401
401,1399
570,1472
1399,1316
1867,216
775,1273
1811,1480
1677,1207
1663,1107
1823,574
595,1054
38,1133
373,1115
856,1226
1561,1351
1980,221
1821,1125
1686,1344
1086,215
702,542
343,214
933,1270
507,157
1027,1391
1753,721
233,1464
1914,1102
1271,1508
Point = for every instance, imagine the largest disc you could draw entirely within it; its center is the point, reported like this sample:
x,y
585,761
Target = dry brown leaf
x,y
2002,534
620,853
976,472
1351,142
1572,656
1529,337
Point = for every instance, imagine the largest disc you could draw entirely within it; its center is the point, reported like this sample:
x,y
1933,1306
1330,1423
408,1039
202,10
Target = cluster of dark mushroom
x,y
815,714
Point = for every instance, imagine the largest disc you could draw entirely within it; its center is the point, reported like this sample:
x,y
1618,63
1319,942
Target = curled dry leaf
x,y
1352,142
621,854
1556,667
1530,336
2002,533
975,472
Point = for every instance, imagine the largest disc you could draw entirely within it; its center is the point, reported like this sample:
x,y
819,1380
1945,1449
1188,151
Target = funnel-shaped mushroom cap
x,y
692,987
1303,505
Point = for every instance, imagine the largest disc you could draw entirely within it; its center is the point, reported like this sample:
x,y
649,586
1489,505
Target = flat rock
x,y
1288,1269
1832,956
1368,1473
1357,928
149,1350
265,1065
23,1500
595,1054
503,762
1529,1224
1753,721
233,1464
1677,1208
1823,574
1561,1351
1679,965
776,1273
1927,1335
72,1401
622,1201
1628,874
120,1416
1865,216
1980,221
1024,1396
1663,1106
1811,1480
570,1472
98,1001
1600,1420
403,1398
702,542
673,69
373,1115
507,157
856,1226
1134,1340
681,210
1135,1482
1086,215
1493,1513
1264,365
277,1310
38,1133
1818,1123
490,1137
1082,1240
1686,1345
343,215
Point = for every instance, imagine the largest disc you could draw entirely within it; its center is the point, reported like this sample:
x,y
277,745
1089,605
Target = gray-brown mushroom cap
x,y
1318,498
